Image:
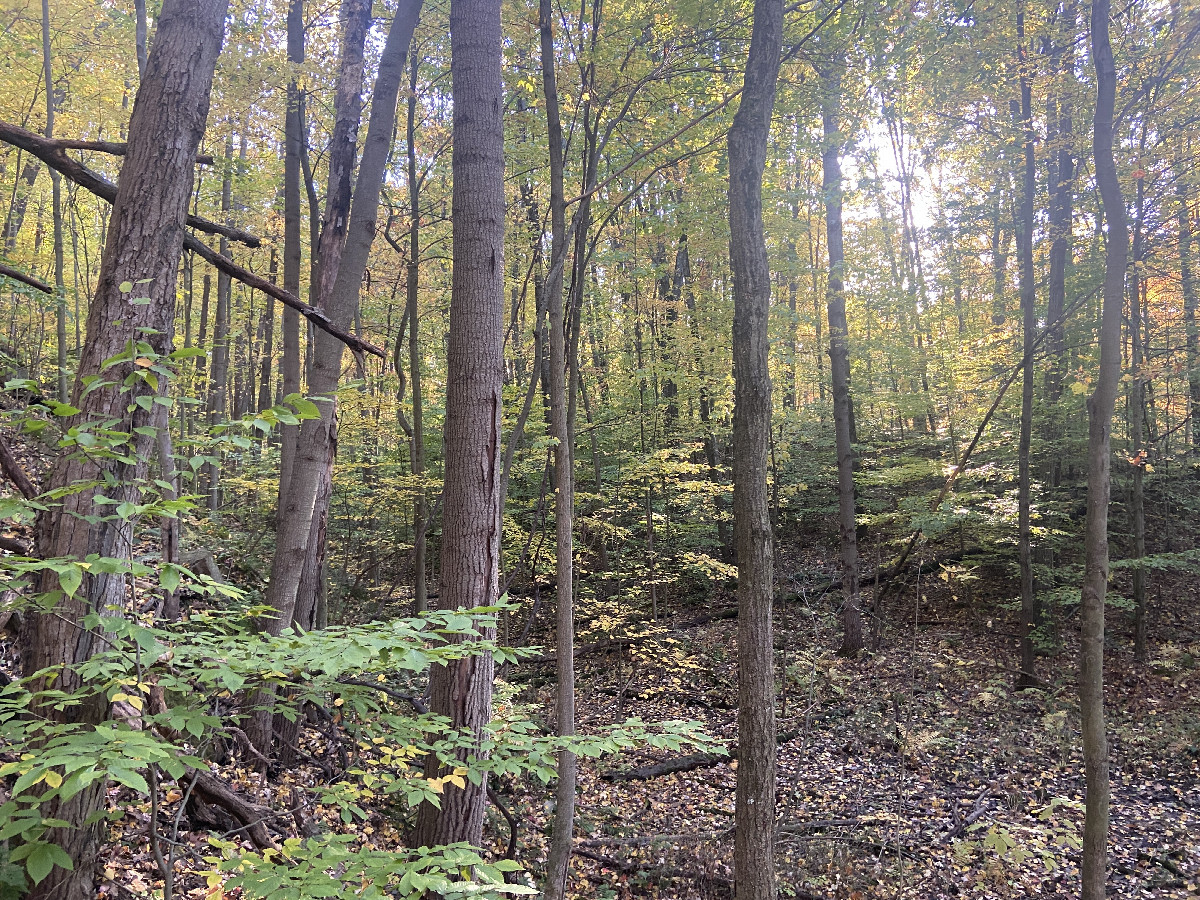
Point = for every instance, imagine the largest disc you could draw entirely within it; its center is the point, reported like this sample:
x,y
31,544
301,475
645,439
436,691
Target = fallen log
x,y
207,788
688,763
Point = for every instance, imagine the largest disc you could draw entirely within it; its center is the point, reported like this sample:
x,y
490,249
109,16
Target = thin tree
x,y
1024,229
1100,412
754,841
60,293
145,237
470,574
839,355
564,482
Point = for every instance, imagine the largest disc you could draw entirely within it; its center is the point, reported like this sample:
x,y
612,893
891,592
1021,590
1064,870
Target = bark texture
x,y
470,572
754,841
145,237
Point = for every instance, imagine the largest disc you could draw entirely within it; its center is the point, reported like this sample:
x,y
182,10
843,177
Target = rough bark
x,y
839,357
754,841
144,240
1100,411
462,691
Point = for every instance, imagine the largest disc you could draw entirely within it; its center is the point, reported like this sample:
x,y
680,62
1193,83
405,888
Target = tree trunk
x,y
1100,411
839,356
1062,191
417,454
145,236
470,576
1137,420
298,508
1028,326
300,517
219,379
289,364
1191,312
564,486
754,841
60,295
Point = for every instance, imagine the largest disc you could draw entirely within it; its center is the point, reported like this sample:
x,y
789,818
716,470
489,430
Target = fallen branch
x,y
207,788
52,154
688,763
17,275
314,315
12,545
12,469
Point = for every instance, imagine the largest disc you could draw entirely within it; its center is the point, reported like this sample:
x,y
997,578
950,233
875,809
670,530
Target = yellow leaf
x,y
53,779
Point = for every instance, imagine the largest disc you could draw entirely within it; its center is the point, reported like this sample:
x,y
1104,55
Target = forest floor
x,y
916,771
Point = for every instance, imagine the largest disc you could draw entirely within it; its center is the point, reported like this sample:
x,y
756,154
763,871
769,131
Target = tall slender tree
x,y
1100,411
754,841
564,481
839,353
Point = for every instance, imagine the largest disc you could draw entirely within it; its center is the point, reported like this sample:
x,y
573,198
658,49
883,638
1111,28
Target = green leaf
x,y
69,579
43,858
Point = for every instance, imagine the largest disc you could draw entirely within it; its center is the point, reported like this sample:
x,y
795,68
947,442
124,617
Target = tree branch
x,y
52,154
26,279
314,315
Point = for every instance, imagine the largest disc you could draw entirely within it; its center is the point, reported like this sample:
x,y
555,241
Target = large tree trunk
x,y
564,482
1100,411
462,691
145,236
839,356
754,842
1028,326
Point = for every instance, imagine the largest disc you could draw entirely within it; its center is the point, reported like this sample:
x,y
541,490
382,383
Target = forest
x,y
497,448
